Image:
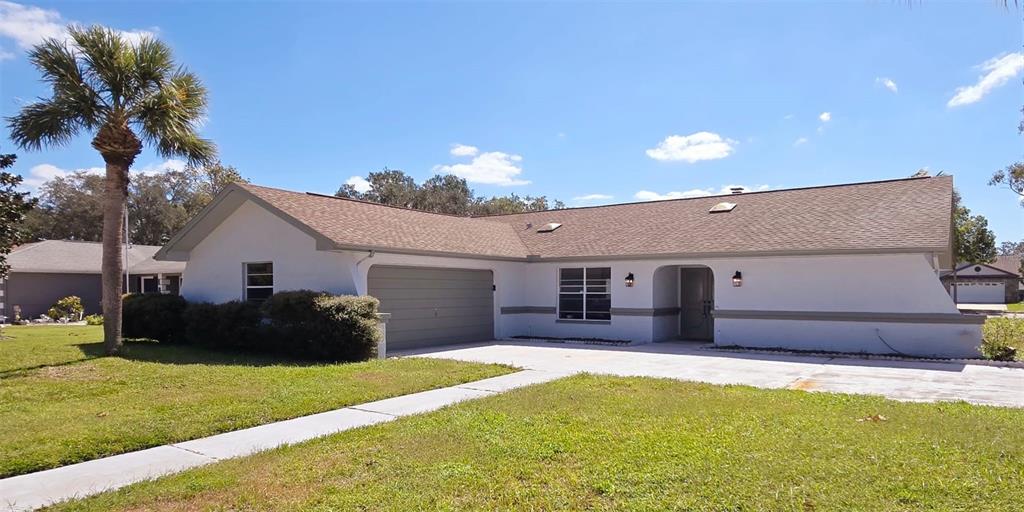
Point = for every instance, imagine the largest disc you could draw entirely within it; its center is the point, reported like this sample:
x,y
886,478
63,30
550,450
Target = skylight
x,y
722,207
549,227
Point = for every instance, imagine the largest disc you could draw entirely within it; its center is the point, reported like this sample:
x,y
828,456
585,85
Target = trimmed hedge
x,y
303,324
152,315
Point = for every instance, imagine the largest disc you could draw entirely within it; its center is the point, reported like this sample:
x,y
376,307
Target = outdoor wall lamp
x,y
629,280
737,279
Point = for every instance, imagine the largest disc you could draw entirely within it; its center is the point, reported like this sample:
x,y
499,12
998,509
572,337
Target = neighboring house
x,y
999,282
42,272
844,268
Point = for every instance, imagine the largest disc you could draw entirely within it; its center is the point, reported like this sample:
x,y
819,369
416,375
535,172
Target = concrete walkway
x,y
899,380
35,490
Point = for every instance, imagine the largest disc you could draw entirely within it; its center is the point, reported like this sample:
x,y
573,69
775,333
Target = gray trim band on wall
x,y
524,310
644,311
842,316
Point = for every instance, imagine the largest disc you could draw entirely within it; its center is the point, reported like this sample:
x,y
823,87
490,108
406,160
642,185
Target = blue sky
x,y
588,103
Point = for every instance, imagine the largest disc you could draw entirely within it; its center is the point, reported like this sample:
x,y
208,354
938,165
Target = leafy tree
x,y
105,85
70,207
443,193
14,206
1011,248
1012,177
973,241
390,187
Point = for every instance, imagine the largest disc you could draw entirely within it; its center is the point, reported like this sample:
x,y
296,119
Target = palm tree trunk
x,y
115,199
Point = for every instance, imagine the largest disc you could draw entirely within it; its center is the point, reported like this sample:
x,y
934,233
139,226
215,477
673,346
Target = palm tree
x,y
107,86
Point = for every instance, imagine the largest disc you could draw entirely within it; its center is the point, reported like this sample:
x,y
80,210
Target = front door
x,y
696,300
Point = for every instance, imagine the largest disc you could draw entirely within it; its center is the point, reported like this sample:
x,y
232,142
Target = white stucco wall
x,y
898,283
215,273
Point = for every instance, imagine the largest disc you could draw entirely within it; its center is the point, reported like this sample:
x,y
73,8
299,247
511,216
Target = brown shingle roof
x,y
1009,264
896,215
887,216
350,223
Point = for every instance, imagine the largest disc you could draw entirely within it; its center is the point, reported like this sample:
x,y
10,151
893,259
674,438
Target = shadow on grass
x,y
154,352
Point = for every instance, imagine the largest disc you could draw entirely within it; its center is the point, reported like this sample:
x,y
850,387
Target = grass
x,y
609,443
1016,307
62,402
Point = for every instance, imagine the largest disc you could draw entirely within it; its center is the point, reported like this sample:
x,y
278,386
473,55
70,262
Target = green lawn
x,y
61,402
1017,307
610,443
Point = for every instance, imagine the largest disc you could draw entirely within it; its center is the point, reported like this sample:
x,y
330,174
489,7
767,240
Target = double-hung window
x,y
259,281
584,293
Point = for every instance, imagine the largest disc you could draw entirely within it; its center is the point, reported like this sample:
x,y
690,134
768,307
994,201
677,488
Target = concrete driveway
x,y
899,380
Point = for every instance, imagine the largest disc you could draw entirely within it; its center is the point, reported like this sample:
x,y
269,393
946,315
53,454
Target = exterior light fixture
x,y
737,279
629,280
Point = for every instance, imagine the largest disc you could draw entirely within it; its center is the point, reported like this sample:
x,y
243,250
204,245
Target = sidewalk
x,y
35,490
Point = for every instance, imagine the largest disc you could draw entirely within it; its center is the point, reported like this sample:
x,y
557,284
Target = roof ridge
x,y
813,187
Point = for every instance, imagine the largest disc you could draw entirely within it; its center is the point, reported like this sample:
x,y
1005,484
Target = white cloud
x,y
161,167
42,173
825,117
693,148
998,71
787,117
592,197
888,83
463,150
29,25
800,142
5,55
359,183
490,168
647,195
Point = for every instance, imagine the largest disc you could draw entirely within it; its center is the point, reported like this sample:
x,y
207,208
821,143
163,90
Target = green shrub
x,y
1002,338
68,307
303,324
231,325
153,315
94,320
320,326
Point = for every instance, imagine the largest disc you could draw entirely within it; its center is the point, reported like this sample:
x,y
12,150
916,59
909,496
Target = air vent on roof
x,y
722,207
736,190
549,227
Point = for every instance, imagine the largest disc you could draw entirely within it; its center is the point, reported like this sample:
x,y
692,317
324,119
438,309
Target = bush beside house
x,y
1002,338
305,324
69,308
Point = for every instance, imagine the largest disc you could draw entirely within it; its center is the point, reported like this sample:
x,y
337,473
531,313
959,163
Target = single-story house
x,y
43,272
850,268
999,282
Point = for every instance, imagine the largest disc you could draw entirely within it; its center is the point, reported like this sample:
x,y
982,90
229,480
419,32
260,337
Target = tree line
x,y
442,193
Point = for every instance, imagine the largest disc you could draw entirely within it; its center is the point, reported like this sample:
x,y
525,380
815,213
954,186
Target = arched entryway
x,y
684,298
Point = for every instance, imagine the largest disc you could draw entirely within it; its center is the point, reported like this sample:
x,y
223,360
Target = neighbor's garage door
x,y
980,292
434,306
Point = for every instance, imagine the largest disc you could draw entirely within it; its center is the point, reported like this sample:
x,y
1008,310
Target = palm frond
x,y
170,118
153,63
60,68
45,123
109,61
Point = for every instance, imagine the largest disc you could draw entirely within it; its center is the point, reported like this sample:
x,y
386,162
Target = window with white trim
x,y
584,293
259,281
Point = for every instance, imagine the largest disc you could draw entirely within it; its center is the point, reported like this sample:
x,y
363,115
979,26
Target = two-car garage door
x,y
434,306
980,292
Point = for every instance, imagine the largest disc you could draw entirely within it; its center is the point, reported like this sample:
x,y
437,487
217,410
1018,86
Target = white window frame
x,y
245,278
584,292
142,284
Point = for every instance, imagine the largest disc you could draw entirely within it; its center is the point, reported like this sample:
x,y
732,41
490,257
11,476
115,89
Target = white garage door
x,y
434,306
980,293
